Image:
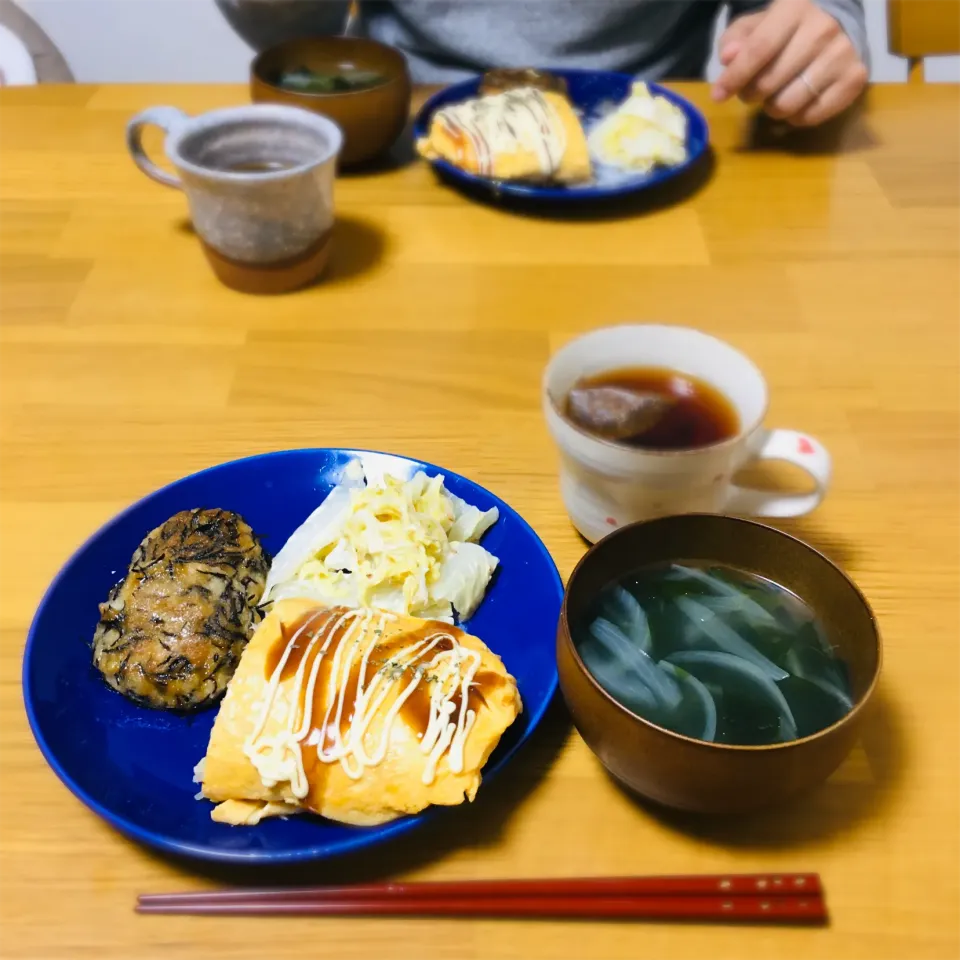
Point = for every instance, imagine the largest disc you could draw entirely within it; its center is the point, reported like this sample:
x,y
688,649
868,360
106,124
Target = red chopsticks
x,y
756,898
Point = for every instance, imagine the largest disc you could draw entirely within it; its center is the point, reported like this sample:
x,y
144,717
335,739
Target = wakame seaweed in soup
x,y
716,654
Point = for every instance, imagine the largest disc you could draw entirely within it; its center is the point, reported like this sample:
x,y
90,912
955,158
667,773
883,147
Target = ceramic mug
x,y
259,183
606,485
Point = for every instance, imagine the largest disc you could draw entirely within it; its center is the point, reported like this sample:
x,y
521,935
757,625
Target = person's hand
x,y
793,58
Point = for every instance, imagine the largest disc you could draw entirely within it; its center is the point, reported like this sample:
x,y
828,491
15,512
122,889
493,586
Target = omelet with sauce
x,y
358,715
524,134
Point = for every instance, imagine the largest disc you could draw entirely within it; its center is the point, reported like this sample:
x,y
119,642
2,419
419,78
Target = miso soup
x,y
716,654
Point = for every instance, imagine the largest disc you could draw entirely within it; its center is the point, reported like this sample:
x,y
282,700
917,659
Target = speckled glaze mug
x,y
259,183
608,485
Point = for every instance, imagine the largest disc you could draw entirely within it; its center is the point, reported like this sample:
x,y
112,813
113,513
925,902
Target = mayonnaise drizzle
x,y
279,757
509,122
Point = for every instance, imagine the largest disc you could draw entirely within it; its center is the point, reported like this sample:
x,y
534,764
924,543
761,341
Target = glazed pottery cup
x,y
259,183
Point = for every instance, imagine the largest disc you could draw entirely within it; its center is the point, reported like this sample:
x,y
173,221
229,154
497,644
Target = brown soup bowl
x,y
693,775
371,119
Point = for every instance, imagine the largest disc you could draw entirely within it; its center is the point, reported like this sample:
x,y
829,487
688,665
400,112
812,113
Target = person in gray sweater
x,y
804,60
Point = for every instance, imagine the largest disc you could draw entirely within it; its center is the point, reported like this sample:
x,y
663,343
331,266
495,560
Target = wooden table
x,y
832,260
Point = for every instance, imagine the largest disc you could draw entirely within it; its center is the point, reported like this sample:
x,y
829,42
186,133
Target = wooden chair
x,y
17,68
49,65
923,28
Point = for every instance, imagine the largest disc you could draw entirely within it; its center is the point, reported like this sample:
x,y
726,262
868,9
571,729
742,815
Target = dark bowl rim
x,y
847,718
256,67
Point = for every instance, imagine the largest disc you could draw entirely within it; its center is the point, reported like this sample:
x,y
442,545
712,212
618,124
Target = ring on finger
x,y
794,97
808,83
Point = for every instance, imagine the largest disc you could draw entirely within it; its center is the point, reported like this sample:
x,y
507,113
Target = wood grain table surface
x,y
831,258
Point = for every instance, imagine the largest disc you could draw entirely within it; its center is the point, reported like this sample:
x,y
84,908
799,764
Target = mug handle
x,y
793,447
167,118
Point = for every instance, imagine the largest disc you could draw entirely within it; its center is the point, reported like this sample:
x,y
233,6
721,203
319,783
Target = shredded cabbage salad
x,y
409,546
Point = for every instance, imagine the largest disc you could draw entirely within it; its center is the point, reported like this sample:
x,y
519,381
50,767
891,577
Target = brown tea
x,y
652,407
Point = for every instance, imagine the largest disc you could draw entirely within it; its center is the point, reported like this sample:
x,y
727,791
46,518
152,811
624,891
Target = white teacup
x,y
606,485
259,182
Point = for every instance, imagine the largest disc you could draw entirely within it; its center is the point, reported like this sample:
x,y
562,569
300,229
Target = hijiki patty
x,y
172,631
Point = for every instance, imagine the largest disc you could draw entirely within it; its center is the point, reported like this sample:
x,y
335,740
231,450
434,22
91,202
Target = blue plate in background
x,y
134,766
592,93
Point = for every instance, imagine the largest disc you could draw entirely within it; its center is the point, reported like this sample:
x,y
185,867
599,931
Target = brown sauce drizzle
x,y
415,711
314,624
288,635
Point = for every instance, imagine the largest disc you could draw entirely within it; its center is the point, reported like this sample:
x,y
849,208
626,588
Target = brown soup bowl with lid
x,y
371,117
695,775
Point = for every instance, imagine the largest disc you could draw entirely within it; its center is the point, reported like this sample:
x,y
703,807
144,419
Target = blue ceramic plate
x,y
592,93
134,766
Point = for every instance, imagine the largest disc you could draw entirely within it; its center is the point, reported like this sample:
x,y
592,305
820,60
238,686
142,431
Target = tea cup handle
x,y
168,119
793,447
